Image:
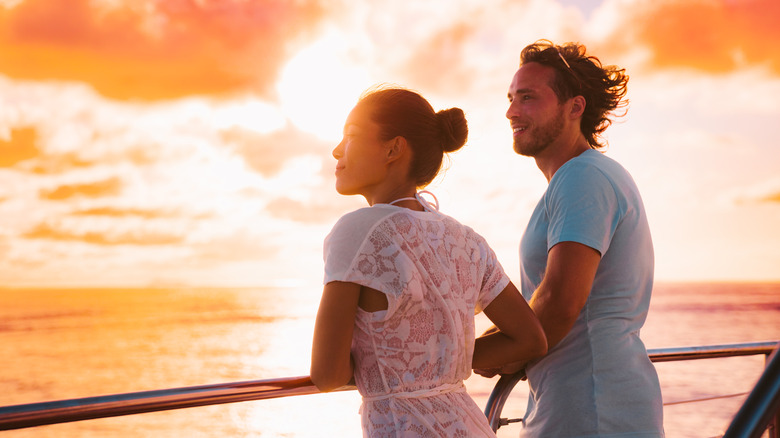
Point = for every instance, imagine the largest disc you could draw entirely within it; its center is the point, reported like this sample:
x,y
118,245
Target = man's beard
x,y
539,138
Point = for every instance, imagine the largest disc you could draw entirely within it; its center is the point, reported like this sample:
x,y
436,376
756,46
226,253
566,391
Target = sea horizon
x,y
300,284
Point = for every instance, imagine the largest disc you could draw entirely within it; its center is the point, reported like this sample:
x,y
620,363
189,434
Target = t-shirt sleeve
x,y
343,243
583,207
494,279
361,249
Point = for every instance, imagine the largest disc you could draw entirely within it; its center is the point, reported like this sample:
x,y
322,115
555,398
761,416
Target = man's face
x,y
534,112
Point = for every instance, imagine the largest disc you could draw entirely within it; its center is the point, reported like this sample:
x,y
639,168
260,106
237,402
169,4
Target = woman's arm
x,y
331,363
520,337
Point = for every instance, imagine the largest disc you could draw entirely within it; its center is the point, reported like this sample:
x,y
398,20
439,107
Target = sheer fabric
x,y
411,359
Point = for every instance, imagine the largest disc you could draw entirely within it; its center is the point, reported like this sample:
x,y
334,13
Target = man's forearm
x,y
557,318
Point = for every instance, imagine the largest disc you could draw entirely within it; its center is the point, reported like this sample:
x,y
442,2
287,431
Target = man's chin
x,y
519,150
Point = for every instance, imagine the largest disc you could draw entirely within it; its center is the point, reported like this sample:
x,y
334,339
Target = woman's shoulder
x,y
356,225
362,216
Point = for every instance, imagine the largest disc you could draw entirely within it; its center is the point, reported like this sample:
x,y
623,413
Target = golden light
x,y
320,85
249,114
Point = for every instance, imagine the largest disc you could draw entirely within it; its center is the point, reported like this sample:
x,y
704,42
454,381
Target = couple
x,y
403,281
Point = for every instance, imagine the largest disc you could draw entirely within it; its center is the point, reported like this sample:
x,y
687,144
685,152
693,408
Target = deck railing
x,y
760,409
763,411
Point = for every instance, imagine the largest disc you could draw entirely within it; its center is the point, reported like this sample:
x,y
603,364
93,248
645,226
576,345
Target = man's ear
x,y
577,106
396,148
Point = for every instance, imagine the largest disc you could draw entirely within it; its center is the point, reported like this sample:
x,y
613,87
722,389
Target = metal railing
x,y
762,406
760,409
65,411
759,415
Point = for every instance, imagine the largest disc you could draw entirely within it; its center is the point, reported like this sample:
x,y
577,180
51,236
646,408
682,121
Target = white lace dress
x,y
411,359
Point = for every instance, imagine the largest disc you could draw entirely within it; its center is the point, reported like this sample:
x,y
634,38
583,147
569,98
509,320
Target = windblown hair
x,y
405,113
603,88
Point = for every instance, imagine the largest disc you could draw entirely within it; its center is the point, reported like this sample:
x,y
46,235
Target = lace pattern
x,y
436,273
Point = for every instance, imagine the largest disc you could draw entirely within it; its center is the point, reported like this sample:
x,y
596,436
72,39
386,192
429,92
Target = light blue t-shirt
x,y
598,381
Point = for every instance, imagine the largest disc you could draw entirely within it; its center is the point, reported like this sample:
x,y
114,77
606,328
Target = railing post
x,y
761,407
773,428
499,396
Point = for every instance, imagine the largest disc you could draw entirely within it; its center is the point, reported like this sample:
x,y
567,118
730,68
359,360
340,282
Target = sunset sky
x,y
187,142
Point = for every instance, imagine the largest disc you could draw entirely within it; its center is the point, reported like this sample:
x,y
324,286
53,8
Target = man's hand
x,y
487,372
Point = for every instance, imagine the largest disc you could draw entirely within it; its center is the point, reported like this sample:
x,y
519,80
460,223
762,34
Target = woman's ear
x,y
396,148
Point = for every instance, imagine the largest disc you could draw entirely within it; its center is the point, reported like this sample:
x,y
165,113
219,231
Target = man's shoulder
x,y
593,164
593,157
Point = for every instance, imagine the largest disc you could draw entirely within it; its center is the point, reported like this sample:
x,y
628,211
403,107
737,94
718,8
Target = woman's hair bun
x,y
454,129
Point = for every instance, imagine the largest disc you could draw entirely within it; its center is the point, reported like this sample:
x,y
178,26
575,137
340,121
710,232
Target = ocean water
x,y
60,344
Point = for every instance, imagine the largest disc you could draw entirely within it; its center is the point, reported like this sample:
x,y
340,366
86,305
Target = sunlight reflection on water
x,y
78,343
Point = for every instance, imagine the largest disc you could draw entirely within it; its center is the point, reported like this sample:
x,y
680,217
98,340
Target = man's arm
x,y
568,279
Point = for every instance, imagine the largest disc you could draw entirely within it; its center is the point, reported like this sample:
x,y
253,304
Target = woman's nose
x,y
338,151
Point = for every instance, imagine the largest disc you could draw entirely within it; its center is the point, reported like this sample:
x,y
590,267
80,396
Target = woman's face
x,y
362,156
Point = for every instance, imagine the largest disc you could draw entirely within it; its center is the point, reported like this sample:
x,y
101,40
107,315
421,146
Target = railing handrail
x,y
711,351
506,383
63,411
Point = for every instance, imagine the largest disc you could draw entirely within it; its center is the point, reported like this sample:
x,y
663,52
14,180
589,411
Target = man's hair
x,y
577,74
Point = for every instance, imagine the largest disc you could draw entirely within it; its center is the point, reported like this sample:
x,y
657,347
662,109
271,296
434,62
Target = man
x,y
586,254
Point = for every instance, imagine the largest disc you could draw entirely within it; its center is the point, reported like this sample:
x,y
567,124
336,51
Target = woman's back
x,y
411,359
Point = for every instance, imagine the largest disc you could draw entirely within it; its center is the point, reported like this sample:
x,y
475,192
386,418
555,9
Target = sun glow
x,y
320,85
190,142
248,114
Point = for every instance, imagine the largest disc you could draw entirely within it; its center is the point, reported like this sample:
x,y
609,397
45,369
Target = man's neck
x,y
560,154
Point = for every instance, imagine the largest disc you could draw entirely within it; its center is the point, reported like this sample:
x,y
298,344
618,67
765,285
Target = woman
x,y
403,281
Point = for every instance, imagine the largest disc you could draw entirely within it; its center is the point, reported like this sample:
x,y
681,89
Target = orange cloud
x,y
21,147
49,232
240,246
326,210
124,212
442,52
267,153
773,198
58,163
710,35
97,189
155,50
